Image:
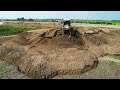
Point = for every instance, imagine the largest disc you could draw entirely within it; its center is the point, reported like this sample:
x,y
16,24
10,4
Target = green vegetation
x,y
115,56
30,19
109,22
111,63
11,30
2,67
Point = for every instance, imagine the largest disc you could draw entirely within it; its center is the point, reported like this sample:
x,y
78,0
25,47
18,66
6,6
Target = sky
x,y
89,15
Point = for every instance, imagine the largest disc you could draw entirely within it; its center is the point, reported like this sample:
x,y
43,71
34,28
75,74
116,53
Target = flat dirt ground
x,y
8,71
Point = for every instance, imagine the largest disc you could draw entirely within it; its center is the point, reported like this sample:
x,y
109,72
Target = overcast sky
x,y
94,15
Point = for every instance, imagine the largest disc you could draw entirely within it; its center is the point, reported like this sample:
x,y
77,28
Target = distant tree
x,y
30,19
21,19
18,19
53,20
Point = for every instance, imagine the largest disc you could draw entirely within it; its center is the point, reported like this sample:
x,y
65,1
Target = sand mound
x,y
45,54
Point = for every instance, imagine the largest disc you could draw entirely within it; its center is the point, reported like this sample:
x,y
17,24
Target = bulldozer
x,y
65,27
66,24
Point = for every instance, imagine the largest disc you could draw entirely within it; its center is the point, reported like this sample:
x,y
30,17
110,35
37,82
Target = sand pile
x,y
45,54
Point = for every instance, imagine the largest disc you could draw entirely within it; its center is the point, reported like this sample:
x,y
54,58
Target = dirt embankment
x,y
45,54
31,25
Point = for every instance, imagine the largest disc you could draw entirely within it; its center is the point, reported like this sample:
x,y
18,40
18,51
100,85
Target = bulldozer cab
x,y
66,28
66,24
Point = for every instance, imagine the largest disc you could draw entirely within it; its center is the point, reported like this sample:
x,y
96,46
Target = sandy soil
x,y
45,54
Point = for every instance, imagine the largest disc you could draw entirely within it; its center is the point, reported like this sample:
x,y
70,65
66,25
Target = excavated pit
x,y
45,54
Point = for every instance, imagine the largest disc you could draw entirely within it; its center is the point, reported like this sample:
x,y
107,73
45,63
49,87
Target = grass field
x,y
109,22
6,30
11,30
